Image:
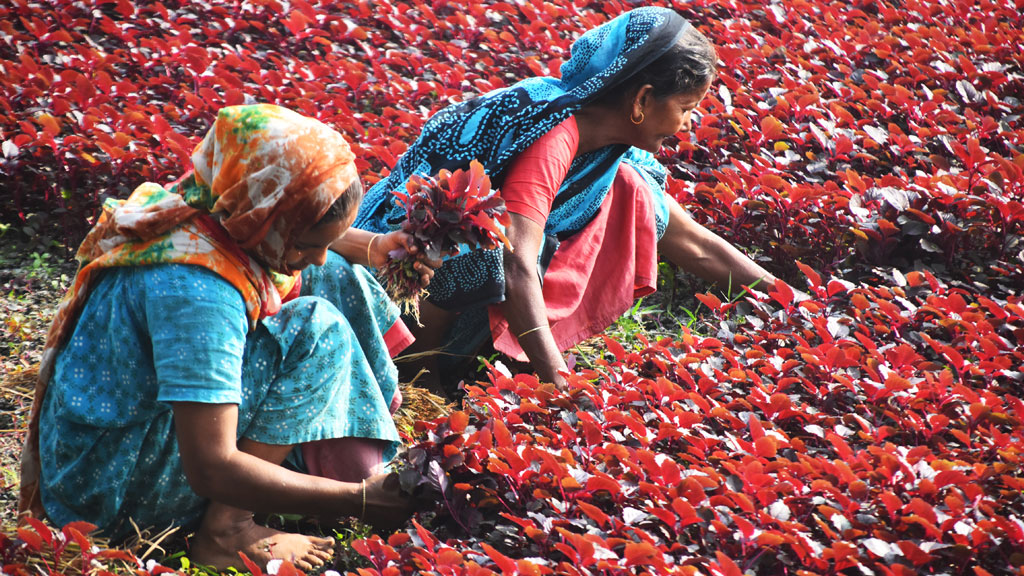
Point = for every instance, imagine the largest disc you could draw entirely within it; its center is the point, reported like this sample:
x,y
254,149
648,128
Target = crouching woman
x,y
184,365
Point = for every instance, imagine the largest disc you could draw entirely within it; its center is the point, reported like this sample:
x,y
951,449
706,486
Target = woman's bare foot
x,y
226,531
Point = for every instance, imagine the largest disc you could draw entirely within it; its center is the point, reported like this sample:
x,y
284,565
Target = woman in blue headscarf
x,y
573,159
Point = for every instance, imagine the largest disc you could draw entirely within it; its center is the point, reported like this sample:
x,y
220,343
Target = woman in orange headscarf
x,y
184,366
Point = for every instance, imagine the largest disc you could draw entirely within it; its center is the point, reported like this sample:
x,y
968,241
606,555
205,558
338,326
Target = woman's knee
x,y
345,459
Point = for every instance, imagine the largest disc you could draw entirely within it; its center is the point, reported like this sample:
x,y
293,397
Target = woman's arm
x,y
700,251
251,479
524,300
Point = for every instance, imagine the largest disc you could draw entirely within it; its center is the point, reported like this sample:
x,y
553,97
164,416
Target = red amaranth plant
x,y
452,212
870,155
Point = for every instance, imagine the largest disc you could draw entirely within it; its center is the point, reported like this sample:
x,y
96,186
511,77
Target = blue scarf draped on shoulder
x,y
494,127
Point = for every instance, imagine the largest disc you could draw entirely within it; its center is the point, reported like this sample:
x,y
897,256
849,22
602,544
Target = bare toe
x,y
260,544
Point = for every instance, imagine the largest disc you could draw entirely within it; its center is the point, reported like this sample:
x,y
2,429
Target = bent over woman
x,y
573,158
183,366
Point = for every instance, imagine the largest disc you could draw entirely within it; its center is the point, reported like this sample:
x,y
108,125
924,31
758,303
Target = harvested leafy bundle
x,y
454,211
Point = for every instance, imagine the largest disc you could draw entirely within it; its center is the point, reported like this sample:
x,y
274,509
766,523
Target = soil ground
x,y
30,288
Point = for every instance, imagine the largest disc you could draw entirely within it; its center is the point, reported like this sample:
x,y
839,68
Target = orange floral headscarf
x,y
262,177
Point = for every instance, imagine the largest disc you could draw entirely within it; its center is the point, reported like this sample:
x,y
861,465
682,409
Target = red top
x,y
535,175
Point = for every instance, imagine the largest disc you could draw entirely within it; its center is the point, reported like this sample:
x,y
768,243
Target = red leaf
x,y
766,447
591,431
854,180
31,538
729,568
773,181
50,125
921,508
770,539
296,22
756,429
640,553
430,541
122,555
76,531
815,279
594,512
772,128
602,481
506,564
843,145
399,539
891,501
197,58
710,300
42,529
56,36
614,347
836,287
686,512
361,547
501,433
746,528
840,446
250,565
449,557
662,514
782,294
457,422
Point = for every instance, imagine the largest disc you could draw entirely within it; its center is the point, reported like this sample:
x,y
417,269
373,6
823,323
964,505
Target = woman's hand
x,y
247,474
381,244
387,507
363,247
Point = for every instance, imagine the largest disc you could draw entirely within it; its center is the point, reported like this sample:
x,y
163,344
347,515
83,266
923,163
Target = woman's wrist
x,y
362,513
530,331
352,499
540,348
369,251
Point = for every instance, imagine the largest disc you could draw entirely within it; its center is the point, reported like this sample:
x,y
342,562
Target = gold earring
x,y
635,121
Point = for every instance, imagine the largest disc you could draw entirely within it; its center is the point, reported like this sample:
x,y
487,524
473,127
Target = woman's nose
x,y
687,123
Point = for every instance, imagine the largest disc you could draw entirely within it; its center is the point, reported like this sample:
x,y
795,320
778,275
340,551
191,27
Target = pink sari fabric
x,y
619,246
398,338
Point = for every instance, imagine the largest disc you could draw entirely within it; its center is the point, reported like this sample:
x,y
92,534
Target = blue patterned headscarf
x,y
494,127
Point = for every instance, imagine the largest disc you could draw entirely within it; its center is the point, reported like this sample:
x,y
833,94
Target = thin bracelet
x,y
534,329
369,245
362,515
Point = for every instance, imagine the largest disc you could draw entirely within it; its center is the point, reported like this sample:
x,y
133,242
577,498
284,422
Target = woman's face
x,y
311,247
664,117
